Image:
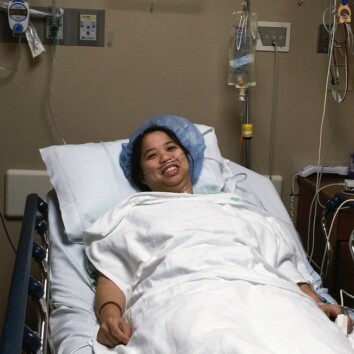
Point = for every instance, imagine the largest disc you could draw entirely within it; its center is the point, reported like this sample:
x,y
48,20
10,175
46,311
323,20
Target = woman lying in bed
x,y
200,274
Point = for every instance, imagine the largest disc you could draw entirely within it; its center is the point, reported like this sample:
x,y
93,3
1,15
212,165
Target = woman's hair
x,y
135,161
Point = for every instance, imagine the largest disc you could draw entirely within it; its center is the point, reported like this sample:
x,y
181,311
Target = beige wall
x,y
172,60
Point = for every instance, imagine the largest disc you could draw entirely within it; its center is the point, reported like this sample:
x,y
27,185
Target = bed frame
x,y
27,312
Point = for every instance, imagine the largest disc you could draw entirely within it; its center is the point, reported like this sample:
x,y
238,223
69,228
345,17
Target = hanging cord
x,y
315,198
55,50
273,118
7,233
12,69
292,198
319,175
343,292
329,233
341,47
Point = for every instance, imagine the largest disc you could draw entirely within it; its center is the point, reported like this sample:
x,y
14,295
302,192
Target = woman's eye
x,y
151,156
172,148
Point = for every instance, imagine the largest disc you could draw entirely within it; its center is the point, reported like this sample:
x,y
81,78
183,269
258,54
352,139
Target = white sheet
x,y
72,320
208,274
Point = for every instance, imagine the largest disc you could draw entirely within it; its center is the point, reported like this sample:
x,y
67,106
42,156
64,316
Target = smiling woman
x,y
162,162
213,254
179,130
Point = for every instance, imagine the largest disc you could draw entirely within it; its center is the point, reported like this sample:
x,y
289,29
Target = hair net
x,y
187,133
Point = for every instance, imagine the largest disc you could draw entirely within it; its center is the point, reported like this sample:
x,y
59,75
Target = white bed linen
x,y
72,320
219,278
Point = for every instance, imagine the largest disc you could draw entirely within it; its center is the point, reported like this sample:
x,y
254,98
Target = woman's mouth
x,y
169,169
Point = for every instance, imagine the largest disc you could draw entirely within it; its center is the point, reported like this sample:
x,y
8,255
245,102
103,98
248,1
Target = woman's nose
x,y
165,158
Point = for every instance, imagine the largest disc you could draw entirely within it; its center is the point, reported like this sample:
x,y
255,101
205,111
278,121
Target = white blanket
x,y
208,274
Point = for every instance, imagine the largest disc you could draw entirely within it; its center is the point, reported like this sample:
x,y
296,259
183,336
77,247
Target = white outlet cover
x,y
19,184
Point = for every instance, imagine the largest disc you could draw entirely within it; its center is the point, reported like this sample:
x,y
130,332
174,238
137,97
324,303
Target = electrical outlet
x,y
270,33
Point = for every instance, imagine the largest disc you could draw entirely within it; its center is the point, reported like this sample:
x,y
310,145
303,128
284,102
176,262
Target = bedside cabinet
x,y
339,265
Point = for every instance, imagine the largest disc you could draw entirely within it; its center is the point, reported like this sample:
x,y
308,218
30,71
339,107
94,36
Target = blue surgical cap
x,y
187,133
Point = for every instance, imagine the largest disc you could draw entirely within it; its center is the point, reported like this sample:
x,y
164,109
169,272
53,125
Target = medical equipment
x,y
33,41
338,199
18,15
243,42
351,244
344,12
341,42
333,205
351,167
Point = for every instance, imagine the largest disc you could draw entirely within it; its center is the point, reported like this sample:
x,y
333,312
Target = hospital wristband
x,y
110,303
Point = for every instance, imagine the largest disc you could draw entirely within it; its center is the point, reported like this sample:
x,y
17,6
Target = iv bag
x,y
243,42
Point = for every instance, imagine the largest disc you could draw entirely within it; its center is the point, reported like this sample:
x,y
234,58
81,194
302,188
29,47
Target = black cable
x,y
7,233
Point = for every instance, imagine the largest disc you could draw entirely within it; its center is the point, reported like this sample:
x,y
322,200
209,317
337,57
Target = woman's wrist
x,y
109,305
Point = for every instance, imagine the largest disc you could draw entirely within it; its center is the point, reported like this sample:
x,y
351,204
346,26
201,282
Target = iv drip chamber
x,y
243,40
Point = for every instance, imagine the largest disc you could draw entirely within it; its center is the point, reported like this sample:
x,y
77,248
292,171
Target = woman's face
x,y
164,165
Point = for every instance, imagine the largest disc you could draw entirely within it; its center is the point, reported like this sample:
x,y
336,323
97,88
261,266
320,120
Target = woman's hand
x,y
114,330
109,305
333,310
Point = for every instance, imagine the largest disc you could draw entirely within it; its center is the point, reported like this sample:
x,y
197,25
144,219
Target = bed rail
x,y
25,288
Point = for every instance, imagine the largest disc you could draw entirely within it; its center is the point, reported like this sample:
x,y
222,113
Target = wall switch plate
x,y
273,32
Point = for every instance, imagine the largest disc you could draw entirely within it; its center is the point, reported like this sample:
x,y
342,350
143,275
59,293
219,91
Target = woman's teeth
x,y
169,169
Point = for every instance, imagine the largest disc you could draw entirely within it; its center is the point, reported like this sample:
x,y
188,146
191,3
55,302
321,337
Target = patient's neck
x,y
188,190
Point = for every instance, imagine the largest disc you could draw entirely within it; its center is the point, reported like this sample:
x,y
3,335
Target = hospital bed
x,y
87,182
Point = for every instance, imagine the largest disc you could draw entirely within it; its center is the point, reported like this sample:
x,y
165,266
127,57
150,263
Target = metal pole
x,y
247,143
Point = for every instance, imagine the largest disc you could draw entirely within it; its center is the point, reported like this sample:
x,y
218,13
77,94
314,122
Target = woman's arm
x,y
110,305
306,288
331,310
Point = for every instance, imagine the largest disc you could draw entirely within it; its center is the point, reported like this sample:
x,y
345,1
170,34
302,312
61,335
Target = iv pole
x,y
247,142
241,70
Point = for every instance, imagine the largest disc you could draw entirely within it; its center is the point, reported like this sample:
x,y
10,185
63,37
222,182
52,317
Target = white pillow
x,y
88,179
